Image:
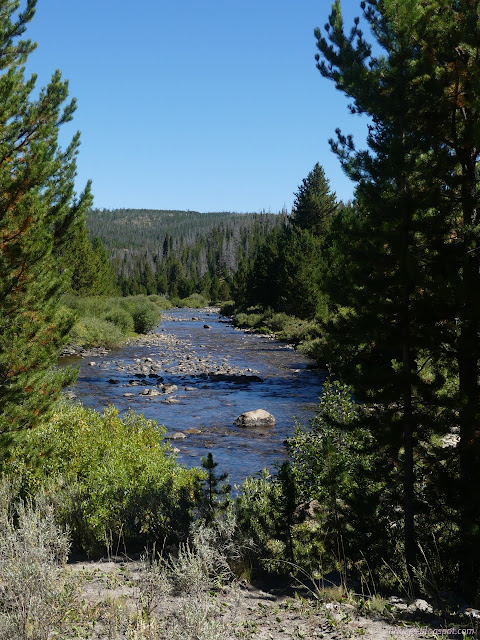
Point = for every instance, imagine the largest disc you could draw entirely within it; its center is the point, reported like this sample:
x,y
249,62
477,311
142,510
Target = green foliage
x,y
194,301
121,318
329,507
228,308
108,321
145,314
405,264
306,335
257,516
96,332
178,253
249,320
38,211
285,275
277,322
162,303
215,491
314,205
117,483
318,452
88,263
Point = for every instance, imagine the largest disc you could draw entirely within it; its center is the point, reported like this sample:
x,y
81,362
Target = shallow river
x,y
287,389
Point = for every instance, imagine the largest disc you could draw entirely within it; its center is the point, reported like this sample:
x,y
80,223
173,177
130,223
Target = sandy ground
x,y
114,602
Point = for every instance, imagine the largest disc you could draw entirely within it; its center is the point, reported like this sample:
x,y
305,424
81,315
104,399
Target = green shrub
x,y
258,517
240,320
248,320
116,482
298,331
146,314
95,332
121,318
161,302
132,313
145,318
228,308
277,321
314,349
195,301
175,302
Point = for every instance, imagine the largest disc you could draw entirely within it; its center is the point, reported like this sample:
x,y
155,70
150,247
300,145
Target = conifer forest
x,y
382,488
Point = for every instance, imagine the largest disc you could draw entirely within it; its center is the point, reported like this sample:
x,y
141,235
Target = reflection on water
x,y
287,390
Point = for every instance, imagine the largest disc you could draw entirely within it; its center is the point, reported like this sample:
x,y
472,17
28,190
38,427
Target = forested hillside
x,y
180,252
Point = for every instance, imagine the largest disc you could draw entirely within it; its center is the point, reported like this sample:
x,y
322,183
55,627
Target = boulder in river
x,y
168,388
113,381
178,435
257,418
149,392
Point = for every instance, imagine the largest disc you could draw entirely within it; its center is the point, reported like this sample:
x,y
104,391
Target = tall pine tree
x,y
314,204
418,212
384,270
448,42
38,209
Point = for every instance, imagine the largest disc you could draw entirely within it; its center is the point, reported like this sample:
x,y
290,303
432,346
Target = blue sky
x,y
208,106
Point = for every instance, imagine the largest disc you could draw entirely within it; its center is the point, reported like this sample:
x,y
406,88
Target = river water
x,y
287,388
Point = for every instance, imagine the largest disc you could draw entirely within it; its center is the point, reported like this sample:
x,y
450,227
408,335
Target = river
x,y
220,372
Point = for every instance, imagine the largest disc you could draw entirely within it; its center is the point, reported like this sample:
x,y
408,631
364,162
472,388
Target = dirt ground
x,y
115,602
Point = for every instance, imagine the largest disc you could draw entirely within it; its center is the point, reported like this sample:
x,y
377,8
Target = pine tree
x,y
448,36
78,258
105,279
424,97
38,209
216,491
314,204
384,260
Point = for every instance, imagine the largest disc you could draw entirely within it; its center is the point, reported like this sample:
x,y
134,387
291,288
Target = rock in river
x,y
167,388
257,418
149,392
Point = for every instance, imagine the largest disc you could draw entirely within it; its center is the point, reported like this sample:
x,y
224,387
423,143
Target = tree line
x,y
177,253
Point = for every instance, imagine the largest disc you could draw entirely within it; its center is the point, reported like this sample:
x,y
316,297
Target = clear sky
x,y
212,105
